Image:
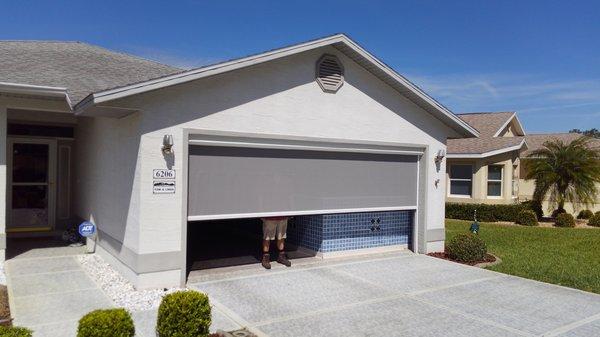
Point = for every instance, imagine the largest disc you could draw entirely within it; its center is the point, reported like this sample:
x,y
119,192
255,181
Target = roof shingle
x,y
488,124
79,67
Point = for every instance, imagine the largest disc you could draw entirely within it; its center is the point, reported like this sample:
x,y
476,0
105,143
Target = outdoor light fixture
x,y
440,155
167,147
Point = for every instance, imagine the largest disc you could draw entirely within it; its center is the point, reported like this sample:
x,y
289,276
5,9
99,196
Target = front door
x,y
31,184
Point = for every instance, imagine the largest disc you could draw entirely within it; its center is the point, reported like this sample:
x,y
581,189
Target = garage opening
x,y
342,197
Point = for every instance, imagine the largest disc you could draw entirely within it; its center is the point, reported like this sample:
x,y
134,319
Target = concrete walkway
x,y
399,295
49,292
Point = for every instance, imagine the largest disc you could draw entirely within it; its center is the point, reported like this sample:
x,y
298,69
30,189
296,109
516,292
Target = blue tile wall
x,y
347,231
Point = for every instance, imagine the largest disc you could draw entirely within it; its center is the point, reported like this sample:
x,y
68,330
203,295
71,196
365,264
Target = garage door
x,y
237,182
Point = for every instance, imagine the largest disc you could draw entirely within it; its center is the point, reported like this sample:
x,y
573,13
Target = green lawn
x,y
564,256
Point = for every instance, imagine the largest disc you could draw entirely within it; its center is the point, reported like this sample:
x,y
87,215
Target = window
x,y
461,177
494,183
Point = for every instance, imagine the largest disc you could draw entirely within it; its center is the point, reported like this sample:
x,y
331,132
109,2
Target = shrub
x,y
535,206
565,220
466,248
485,212
585,214
527,218
15,331
558,211
184,314
106,323
595,220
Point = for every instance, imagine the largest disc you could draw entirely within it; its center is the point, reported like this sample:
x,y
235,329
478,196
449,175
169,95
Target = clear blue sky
x,y
541,59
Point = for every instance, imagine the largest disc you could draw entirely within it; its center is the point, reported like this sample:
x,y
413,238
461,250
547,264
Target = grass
x,y
565,256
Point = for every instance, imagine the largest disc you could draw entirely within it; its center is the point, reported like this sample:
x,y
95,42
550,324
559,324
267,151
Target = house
x,y
490,168
486,169
527,187
158,157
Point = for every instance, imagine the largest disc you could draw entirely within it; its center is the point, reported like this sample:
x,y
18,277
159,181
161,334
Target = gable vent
x,y
330,73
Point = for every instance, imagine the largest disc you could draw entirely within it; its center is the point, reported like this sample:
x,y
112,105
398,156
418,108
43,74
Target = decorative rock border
x,y
489,264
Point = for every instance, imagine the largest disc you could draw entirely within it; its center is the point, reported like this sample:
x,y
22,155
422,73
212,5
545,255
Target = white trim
x,y
296,213
519,125
486,154
37,90
195,74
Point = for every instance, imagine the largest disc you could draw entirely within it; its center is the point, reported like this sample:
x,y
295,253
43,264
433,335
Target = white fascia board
x,y
35,90
519,125
486,154
195,74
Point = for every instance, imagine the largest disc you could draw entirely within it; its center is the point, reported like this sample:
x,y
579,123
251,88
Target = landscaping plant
x,y
595,220
184,314
485,212
565,220
527,218
15,331
106,323
585,214
466,248
565,172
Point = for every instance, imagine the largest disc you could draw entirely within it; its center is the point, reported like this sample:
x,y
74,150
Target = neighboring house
x,y
486,169
322,130
527,187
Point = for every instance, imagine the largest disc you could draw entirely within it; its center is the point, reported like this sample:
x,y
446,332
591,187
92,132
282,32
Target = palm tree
x,y
568,172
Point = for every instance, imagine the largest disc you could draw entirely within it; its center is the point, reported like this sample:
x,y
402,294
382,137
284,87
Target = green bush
x,y
106,323
466,248
535,206
184,314
595,220
485,212
527,218
565,220
558,211
585,214
15,331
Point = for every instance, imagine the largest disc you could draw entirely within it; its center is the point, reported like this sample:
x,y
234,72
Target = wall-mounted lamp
x,y
440,155
167,147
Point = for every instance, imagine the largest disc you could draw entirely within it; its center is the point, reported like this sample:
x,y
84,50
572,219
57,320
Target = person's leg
x,y
269,228
281,235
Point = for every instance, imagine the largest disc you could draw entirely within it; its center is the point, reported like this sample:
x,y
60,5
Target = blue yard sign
x,y
87,229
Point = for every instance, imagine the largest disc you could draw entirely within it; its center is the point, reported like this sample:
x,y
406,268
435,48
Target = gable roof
x,y
77,68
489,125
536,141
338,41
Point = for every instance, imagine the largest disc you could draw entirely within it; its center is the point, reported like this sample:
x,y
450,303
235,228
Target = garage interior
x,y
340,201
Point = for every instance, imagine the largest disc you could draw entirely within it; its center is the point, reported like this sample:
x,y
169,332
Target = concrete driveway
x,y
398,295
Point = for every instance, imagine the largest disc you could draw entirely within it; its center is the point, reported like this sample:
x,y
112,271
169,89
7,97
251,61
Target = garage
x,y
343,197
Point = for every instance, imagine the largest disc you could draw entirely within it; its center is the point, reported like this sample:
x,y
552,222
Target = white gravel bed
x,y
2,274
118,289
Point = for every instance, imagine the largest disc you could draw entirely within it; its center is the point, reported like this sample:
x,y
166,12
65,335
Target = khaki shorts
x,y
273,229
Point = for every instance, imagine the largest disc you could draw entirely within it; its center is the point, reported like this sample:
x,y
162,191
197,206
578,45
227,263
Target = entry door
x,y
31,184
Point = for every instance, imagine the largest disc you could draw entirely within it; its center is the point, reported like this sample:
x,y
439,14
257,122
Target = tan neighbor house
x,y
488,169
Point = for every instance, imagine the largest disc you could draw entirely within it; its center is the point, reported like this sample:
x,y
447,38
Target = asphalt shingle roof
x,y
536,141
487,123
79,67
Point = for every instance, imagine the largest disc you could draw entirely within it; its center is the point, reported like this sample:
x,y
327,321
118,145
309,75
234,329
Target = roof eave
x,y
445,115
521,146
36,90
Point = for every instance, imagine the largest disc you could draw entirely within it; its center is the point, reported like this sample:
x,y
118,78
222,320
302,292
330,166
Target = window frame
x,y
501,181
450,179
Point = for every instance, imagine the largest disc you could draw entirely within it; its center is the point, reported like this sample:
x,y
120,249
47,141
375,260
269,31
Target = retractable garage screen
x,y
236,182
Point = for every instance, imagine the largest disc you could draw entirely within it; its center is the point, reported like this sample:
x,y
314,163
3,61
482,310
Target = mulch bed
x,y
4,308
489,258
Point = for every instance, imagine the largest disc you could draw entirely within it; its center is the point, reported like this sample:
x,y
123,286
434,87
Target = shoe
x,y
282,258
266,261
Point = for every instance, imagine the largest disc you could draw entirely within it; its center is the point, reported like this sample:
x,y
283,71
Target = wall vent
x,y
330,73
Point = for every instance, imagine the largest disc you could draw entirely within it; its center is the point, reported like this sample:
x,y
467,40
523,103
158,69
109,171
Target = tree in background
x,y
565,172
594,133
